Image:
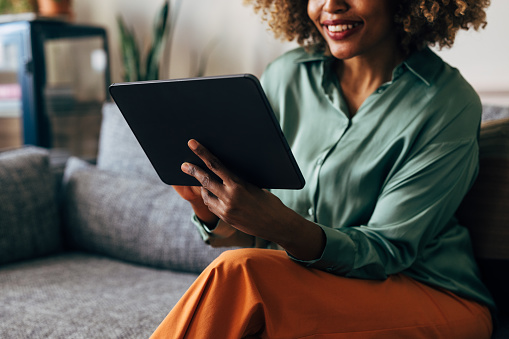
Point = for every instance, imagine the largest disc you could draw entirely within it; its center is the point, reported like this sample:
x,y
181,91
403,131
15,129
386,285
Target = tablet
x,y
229,115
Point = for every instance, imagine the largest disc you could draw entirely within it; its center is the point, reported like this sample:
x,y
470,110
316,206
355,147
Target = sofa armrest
x,y
29,220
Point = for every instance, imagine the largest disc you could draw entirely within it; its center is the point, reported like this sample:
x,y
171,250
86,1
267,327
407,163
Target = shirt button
x,y
311,211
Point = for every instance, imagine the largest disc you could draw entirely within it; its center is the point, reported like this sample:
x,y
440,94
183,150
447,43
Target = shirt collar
x,y
424,64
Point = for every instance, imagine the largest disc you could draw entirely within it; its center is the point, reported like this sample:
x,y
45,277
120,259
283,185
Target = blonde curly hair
x,y
419,23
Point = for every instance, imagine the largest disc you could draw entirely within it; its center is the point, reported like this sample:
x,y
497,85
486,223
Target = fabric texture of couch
x,y
106,250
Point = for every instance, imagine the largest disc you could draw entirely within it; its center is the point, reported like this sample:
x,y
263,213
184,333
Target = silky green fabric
x,y
385,184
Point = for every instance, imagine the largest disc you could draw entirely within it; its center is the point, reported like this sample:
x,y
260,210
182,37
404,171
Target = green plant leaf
x,y
155,50
130,52
131,56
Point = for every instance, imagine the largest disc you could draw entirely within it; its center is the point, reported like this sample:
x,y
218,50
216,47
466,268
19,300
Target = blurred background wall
x,y
224,36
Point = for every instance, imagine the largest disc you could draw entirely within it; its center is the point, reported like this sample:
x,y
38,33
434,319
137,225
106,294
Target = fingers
x,y
213,163
189,193
199,174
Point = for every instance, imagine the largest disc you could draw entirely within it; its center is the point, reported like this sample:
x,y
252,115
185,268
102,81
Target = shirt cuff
x,y
202,229
221,230
338,255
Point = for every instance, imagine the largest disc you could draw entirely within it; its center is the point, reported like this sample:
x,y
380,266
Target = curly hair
x,y
419,23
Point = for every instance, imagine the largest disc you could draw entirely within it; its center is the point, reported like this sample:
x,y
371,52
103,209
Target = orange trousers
x,y
262,293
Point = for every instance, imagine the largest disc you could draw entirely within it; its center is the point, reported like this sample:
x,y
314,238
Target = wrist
x,y
205,215
305,241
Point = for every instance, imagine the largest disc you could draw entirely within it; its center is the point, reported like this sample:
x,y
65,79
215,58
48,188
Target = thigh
x,y
299,302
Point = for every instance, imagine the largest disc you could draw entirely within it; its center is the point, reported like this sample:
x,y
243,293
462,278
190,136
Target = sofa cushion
x,y
494,112
119,151
77,295
29,220
131,219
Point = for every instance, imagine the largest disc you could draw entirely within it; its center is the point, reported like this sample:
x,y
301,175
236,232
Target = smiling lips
x,y
340,30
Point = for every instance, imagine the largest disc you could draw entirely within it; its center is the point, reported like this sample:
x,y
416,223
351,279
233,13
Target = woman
x,y
385,134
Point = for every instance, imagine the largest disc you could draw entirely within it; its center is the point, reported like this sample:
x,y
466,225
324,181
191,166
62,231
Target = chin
x,y
341,53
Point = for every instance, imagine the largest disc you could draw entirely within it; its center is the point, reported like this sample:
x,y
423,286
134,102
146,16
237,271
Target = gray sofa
x,y
89,251
100,251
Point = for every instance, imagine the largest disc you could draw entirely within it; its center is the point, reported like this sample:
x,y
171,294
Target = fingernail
x,y
185,167
192,144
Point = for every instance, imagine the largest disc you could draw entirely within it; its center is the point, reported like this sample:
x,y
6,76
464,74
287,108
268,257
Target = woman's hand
x,y
193,195
189,193
253,210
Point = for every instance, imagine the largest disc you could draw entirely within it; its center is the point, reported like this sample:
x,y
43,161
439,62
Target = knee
x,y
247,259
238,257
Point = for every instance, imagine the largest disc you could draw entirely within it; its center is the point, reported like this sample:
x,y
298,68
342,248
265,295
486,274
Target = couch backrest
x,y
485,209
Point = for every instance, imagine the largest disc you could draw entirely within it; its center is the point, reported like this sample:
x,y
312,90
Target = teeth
x,y
341,28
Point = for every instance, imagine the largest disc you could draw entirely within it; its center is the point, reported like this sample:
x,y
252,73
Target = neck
x,y
362,75
365,72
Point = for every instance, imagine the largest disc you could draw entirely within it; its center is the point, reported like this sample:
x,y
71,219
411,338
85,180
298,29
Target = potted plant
x,y
53,8
134,68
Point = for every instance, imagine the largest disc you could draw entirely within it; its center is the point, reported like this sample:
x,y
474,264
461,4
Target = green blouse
x,y
384,185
